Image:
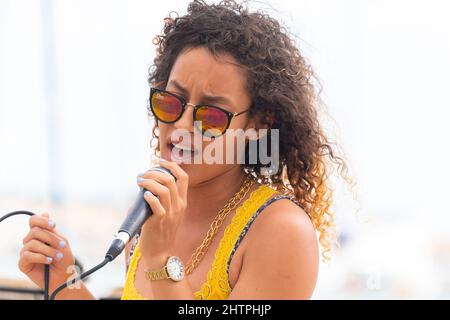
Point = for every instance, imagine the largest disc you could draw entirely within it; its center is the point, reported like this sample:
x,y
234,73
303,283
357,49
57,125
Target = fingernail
x,y
62,244
148,194
49,259
162,160
139,180
140,174
51,223
59,256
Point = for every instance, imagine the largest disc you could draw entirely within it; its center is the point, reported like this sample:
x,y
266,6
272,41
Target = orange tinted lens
x,y
214,121
165,106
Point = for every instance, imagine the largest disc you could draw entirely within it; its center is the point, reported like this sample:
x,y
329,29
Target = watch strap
x,y
159,274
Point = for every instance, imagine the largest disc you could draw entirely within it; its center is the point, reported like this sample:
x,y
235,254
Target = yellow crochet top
x,y
216,286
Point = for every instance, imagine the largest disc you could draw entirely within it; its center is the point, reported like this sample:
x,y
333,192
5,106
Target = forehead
x,y
197,68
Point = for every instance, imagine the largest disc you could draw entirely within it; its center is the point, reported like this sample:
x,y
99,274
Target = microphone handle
x,y
140,211
143,210
130,227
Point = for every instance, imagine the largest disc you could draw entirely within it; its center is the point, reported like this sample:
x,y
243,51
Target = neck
x,y
206,199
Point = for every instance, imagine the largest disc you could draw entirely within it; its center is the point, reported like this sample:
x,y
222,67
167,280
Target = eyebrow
x,y
205,97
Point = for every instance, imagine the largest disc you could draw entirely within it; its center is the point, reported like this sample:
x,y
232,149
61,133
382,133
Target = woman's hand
x,y
41,246
167,199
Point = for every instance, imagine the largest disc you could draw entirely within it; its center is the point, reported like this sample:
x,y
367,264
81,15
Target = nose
x,y
186,121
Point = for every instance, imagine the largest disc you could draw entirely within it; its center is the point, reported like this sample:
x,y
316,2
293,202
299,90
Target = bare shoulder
x,y
284,221
281,258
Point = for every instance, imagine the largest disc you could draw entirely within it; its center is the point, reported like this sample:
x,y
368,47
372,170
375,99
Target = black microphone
x,y
137,215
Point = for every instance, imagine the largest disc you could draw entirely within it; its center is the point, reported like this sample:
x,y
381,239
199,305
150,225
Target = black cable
x,y
15,213
107,259
46,267
46,281
83,275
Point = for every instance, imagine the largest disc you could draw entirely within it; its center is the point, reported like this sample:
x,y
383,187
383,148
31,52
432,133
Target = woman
x,y
221,230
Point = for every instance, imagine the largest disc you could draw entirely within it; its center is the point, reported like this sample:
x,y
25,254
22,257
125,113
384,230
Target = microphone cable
x,y
108,258
81,277
46,267
122,237
117,246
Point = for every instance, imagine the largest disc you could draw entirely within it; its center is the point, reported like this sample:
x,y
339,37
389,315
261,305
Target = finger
x,y
37,246
180,174
42,222
164,179
162,192
28,257
61,236
46,237
155,204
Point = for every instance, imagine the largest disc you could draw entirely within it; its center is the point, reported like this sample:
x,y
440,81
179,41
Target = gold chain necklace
x,y
218,221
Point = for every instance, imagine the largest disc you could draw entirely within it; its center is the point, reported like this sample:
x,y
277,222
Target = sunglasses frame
x,y
230,115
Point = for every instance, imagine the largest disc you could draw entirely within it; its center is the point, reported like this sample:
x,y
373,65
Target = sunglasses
x,y
167,107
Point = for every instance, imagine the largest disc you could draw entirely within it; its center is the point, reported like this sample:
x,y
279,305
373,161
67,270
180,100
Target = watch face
x,y
175,268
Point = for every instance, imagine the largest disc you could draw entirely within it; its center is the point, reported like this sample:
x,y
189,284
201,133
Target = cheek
x,y
163,129
232,147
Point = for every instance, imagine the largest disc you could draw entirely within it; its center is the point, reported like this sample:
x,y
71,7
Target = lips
x,y
181,153
183,142
183,148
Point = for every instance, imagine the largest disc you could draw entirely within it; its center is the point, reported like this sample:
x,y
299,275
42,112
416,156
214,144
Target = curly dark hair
x,y
282,87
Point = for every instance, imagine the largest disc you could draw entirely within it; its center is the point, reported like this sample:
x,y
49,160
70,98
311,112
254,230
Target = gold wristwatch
x,y
174,269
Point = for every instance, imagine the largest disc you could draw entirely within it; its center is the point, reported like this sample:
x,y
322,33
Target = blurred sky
x,y
74,130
